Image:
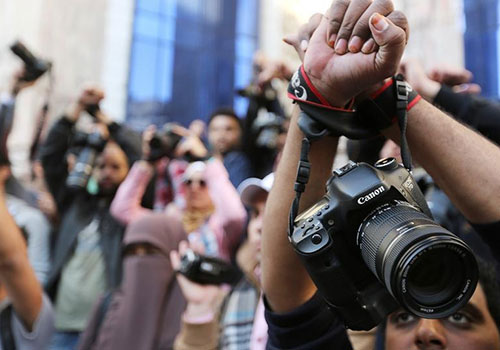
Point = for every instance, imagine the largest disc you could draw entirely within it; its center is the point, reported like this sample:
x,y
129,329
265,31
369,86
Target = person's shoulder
x,y
170,219
492,228
43,328
490,234
311,325
236,155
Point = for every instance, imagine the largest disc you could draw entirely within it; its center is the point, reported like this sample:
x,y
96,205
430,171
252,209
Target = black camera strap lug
x,y
303,173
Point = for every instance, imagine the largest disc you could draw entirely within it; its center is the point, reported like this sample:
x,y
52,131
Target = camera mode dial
x,y
389,163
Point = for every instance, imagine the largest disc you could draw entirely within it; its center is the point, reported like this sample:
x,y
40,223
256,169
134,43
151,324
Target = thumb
x,y
175,260
391,40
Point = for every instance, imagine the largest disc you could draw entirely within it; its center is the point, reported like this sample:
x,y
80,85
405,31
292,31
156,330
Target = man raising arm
x,y
460,161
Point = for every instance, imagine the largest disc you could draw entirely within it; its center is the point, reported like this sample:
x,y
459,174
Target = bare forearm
x,y
463,163
16,273
285,281
10,235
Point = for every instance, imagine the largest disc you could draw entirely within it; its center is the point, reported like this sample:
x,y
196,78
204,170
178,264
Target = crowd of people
x,y
92,246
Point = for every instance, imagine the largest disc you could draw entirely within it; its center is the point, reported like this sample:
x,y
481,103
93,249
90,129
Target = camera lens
x,y
430,271
432,279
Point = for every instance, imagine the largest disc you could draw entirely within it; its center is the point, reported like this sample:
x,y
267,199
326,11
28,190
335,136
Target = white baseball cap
x,y
193,168
250,187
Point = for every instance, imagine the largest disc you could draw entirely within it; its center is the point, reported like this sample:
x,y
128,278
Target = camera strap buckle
x,y
304,168
401,89
401,95
303,173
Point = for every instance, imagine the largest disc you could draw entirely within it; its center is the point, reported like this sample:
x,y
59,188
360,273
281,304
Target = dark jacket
x,y
78,209
480,113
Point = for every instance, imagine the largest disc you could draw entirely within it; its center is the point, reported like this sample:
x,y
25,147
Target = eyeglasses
x,y
190,182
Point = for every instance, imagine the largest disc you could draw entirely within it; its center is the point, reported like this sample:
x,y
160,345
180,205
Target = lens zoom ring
x,y
377,227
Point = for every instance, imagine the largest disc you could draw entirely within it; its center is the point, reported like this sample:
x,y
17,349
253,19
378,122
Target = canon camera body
x,y
370,245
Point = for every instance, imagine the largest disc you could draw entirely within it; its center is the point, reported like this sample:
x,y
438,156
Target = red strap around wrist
x,y
302,90
384,93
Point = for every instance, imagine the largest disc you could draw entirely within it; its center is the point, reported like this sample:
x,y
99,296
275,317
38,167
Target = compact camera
x,y
207,270
370,245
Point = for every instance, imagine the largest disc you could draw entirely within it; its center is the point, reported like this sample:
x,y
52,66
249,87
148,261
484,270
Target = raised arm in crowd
x,y
351,51
30,316
59,141
444,89
88,242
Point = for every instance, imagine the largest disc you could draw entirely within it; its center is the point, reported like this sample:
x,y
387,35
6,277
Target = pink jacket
x,y
226,223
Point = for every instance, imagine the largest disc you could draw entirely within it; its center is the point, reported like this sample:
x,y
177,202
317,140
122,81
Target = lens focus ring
x,y
430,271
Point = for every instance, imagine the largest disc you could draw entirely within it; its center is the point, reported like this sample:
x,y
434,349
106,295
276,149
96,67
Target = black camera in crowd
x,y
164,142
370,245
90,146
207,270
267,127
34,66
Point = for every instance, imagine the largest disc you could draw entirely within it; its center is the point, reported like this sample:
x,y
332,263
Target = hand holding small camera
x,y
201,299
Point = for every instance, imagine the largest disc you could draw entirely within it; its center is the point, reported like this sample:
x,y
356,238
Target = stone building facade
x,y
89,41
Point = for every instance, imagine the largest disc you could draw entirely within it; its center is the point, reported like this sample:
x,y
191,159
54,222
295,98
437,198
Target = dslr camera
x,y
34,66
91,145
370,245
164,142
268,126
207,270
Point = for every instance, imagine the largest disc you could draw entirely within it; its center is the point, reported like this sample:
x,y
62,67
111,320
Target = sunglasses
x,y
190,182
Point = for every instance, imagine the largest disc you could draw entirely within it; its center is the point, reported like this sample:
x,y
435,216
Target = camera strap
x,y
338,121
310,100
303,173
401,95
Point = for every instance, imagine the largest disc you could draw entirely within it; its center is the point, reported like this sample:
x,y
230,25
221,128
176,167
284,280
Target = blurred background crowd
x,y
137,134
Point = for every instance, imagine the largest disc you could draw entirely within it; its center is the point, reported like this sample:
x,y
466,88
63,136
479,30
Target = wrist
x,y
334,96
73,112
381,107
14,90
429,90
306,89
103,118
198,311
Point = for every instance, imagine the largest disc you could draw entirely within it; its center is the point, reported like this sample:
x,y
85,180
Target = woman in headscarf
x,y
144,312
206,203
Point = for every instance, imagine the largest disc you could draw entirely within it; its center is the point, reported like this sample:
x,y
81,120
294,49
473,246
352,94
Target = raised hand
x,y
18,83
340,74
147,136
90,95
201,299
